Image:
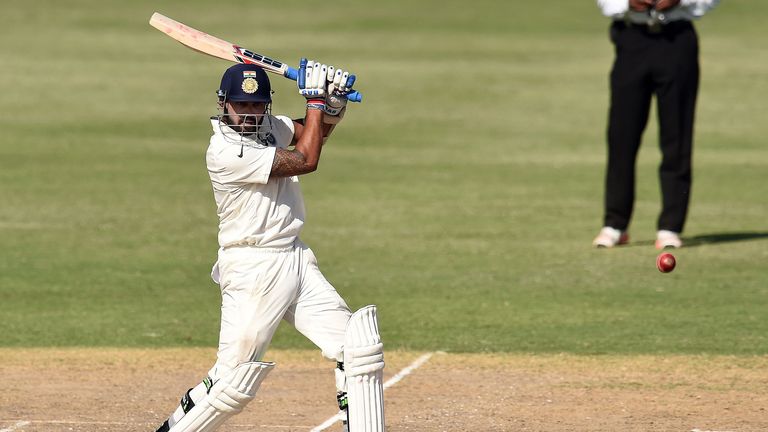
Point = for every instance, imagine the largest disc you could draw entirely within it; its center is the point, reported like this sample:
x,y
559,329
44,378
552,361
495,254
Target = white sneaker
x,y
610,237
668,239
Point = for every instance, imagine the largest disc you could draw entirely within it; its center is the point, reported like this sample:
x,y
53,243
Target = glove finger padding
x,y
336,99
343,83
324,84
337,79
314,82
318,76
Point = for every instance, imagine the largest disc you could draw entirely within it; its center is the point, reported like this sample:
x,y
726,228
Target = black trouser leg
x,y
631,91
677,81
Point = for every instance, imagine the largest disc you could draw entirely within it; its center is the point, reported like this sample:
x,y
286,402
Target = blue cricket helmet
x,y
245,83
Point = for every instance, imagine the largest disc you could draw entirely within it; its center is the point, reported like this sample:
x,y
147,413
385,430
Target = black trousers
x,y
665,64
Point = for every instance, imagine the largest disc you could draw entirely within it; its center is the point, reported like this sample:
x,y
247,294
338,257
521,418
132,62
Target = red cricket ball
x,y
666,262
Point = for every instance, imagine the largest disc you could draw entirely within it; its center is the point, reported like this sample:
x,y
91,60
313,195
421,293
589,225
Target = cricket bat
x,y
213,46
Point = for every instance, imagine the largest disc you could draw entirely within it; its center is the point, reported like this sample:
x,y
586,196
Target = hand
x,y
641,5
335,105
325,87
312,79
663,5
339,84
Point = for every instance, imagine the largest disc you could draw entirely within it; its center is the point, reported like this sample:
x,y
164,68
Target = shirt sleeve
x,y
698,8
283,131
240,164
613,8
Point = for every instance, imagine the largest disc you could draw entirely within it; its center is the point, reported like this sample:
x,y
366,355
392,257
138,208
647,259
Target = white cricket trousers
x,y
260,287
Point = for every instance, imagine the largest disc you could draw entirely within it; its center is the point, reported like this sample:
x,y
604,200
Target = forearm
x,y
299,129
318,83
311,141
328,130
306,154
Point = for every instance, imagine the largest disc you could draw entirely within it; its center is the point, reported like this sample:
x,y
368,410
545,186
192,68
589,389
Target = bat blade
x,y
211,45
215,47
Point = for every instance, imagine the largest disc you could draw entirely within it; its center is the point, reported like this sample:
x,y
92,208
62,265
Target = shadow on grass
x,y
705,239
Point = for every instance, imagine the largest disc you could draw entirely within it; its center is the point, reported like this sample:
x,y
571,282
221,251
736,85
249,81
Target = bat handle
x,y
293,74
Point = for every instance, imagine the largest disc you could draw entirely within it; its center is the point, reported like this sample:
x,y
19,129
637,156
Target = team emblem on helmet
x,y
250,85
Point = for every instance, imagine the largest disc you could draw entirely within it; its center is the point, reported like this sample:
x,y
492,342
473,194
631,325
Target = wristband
x,y
318,104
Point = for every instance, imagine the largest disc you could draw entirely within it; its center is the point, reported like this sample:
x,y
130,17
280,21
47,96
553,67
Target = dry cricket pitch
x,y
135,389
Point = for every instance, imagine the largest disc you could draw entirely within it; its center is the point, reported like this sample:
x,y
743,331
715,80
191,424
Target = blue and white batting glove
x,y
312,83
339,84
319,81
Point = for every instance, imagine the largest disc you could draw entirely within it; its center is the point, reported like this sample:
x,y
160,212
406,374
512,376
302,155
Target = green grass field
x,y
461,196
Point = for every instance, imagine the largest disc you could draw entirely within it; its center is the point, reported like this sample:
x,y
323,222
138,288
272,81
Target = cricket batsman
x,y
265,272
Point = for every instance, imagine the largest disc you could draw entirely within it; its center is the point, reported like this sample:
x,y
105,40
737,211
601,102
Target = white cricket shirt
x,y
253,208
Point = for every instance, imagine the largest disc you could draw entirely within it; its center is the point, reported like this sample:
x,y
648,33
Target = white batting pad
x,y
227,397
363,366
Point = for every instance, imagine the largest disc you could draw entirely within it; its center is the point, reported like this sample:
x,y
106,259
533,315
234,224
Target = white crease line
x,y
326,424
390,382
16,426
407,371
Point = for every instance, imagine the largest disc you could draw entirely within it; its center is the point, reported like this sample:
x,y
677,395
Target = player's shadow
x,y
705,239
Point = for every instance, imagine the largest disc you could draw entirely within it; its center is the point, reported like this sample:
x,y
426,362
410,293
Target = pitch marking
x,y
390,382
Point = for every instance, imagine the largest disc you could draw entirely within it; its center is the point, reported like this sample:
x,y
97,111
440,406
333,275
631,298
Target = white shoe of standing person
x,y
668,239
610,237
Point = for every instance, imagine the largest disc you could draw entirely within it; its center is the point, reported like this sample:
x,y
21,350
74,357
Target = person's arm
x,y
699,7
663,5
335,104
305,156
613,8
318,83
298,128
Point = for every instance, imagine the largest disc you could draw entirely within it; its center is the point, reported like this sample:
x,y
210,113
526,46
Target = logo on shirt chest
x,y
267,139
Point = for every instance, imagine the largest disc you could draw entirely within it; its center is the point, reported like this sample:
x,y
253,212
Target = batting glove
x,y
312,83
339,84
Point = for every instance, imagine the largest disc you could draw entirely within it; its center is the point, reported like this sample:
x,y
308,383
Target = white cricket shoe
x,y
668,239
610,237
